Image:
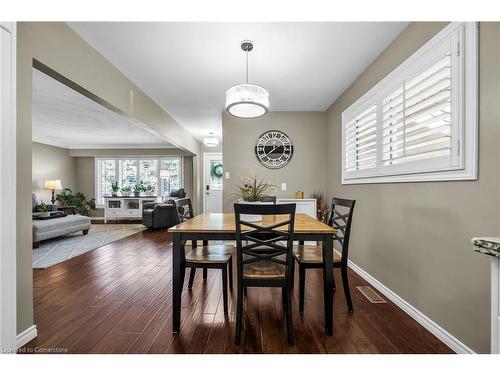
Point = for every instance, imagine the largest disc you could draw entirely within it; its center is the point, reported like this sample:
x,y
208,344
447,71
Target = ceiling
x,y
186,67
65,118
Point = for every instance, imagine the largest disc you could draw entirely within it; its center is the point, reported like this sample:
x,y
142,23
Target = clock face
x,y
274,149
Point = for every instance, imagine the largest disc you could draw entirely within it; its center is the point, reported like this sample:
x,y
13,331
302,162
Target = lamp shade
x,y
247,100
211,141
52,185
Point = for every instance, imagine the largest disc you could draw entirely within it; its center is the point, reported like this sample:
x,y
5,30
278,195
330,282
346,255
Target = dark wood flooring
x,y
117,299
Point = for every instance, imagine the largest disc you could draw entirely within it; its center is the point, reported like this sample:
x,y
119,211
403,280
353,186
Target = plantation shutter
x,y
99,181
105,176
361,141
416,117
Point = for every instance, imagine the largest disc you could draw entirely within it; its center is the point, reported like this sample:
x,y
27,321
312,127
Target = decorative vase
x,y
137,193
114,194
44,214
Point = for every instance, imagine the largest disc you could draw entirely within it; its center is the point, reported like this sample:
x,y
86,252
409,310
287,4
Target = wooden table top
x,y
225,223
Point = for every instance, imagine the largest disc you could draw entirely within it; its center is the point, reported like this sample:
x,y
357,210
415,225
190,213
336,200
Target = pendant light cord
x,y
247,66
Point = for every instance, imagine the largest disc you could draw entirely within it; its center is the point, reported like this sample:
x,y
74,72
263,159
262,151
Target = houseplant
x,y
78,200
148,189
126,191
44,209
114,189
138,188
251,191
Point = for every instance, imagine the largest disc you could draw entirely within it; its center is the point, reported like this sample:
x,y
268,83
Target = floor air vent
x,y
370,294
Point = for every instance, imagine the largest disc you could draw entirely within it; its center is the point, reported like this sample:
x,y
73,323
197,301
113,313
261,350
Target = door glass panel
x,y
216,173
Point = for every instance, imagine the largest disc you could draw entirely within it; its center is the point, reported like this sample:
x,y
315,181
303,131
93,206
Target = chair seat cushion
x,y
210,254
264,269
312,254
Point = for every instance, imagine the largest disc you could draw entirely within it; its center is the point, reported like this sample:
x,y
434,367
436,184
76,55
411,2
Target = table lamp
x,y
52,185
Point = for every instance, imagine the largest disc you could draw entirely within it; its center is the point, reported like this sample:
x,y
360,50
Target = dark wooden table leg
x,y
328,283
176,283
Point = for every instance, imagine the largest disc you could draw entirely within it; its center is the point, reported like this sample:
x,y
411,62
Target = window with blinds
x,y
419,123
128,171
416,118
361,141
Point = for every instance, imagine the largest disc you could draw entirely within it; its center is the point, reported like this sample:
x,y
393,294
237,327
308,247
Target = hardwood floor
x,y
117,299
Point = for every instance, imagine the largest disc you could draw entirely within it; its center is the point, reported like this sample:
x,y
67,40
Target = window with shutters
x,y
419,123
131,170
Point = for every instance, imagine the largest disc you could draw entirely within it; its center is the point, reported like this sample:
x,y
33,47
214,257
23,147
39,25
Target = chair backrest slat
x,y
342,222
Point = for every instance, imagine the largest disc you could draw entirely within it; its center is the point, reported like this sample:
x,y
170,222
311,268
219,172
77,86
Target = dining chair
x,y
264,262
308,256
207,256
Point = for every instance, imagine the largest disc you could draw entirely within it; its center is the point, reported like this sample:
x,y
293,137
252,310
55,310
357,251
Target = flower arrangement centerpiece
x,y
251,191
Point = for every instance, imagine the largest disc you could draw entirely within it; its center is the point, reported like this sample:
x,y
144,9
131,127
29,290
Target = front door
x,y
212,185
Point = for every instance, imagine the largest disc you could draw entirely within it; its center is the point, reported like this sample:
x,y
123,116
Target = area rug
x,y
63,248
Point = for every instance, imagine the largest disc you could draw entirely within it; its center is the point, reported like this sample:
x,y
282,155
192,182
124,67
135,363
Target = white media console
x,y
125,207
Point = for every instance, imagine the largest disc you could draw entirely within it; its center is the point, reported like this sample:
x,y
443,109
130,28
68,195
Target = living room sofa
x,y
56,227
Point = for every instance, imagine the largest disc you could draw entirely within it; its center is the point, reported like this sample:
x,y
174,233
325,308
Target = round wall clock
x,y
274,149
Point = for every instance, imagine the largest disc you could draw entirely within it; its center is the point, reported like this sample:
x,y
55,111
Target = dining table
x,y
222,227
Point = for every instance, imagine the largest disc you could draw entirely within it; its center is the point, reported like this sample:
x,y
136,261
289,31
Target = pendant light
x,y
211,141
247,100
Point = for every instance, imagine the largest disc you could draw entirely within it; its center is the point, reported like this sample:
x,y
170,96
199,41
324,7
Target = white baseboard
x,y
451,341
26,336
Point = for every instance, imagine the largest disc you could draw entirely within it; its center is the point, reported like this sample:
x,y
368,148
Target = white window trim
x,y
134,157
468,168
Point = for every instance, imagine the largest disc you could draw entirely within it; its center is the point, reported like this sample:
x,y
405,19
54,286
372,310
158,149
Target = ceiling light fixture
x,y
211,141
247,100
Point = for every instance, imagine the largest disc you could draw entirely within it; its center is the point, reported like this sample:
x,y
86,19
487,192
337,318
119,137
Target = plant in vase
x,y
114,189
138,188
251,191
148,189
44,209
126,191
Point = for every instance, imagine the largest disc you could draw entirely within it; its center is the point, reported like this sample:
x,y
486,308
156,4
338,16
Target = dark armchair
x,y
159,215
177,194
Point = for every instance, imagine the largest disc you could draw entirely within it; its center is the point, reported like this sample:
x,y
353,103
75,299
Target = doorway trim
x,y
205,155
8,225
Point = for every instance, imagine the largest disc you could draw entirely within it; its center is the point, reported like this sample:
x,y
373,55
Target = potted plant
x,y
126,190
138,188
148,189
251,191
114,189
44,209
78,201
